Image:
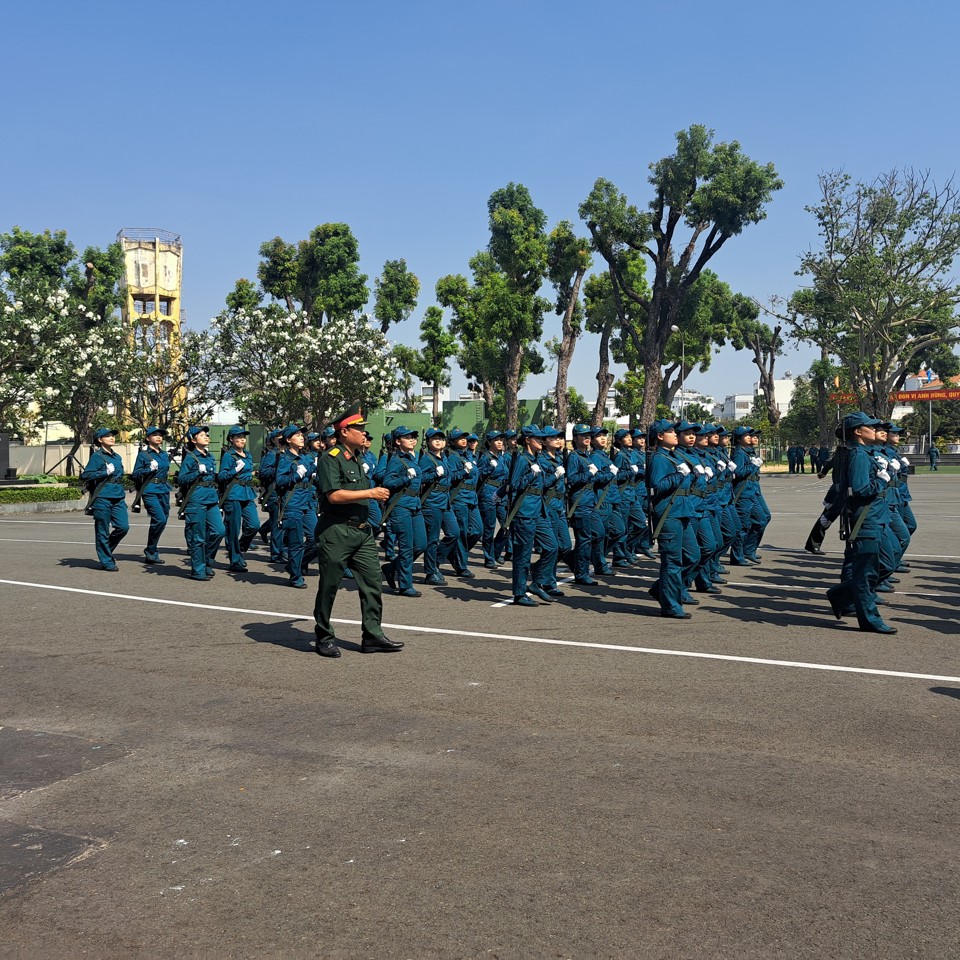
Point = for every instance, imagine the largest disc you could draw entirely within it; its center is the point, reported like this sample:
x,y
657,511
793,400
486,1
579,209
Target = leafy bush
x,y
39,494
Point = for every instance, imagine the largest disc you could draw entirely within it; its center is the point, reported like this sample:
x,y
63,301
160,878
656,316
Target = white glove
x,y
201,468
439,471
365,468
904,461
883,475
614,470
468,466
411,472
493,462
721,464
683,469
110,469
884,463
894,465
700,468
709,472
592,469
154,465
239,466
534,468
756,461
634,468
559,472
301,471
731,466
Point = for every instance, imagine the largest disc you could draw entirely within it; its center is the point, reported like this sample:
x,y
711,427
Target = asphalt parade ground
x,y
181,776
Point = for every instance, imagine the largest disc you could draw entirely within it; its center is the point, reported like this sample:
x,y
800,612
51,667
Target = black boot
x,y
815,540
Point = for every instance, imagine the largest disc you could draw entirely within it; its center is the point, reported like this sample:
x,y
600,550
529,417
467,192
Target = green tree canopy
x,y
397,290
713,190
320,273
883,293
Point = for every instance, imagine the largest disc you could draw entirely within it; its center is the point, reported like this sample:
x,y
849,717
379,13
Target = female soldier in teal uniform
x,y
104,474
438,516
402,478
297,514
200,504
674,510
866,483
241,520
150,471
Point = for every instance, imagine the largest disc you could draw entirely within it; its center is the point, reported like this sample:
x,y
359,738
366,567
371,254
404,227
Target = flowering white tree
x,y
280,368
28,333
86,377
174,381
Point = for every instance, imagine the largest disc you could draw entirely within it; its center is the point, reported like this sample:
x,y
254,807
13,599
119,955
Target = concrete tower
x,y
153,263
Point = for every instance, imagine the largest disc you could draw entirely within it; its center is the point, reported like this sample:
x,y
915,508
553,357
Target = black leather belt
x,y
357,524
492,483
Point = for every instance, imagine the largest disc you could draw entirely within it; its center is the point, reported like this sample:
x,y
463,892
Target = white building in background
x,y
735,406
687,396
426,394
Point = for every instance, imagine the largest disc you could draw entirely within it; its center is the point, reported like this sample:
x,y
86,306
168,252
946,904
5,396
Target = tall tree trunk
x,y
511,382
436,401
72,457
670,387
765,362
825,407
604,378
568,343
489,395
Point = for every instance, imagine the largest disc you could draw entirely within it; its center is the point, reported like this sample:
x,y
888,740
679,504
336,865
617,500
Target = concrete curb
x,y
44,506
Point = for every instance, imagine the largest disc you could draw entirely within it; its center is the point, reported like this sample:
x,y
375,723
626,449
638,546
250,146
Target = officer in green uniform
x,y
345,537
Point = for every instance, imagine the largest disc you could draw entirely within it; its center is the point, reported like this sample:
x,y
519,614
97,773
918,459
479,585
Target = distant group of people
x,y
797,454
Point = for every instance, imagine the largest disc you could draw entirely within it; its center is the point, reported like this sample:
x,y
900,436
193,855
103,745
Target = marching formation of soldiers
x,y
693,488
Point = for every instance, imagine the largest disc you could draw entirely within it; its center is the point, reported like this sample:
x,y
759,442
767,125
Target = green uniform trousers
x,y
339,546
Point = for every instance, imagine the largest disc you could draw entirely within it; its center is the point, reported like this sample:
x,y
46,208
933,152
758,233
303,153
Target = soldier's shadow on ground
x,y
947,692
75,563
769,604
295,635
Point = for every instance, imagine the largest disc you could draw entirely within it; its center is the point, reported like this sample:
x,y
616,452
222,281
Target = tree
x,y
280,367
62,345
499,317
482,320
397,290
716,191
568,260
697,413
407,364
705,319
602,317
86,380
882,295
320,273
33,269
439,345
629,395
175,383
766,344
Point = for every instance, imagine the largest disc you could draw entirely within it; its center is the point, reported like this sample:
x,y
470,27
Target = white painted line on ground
x,y
75,523
76,543
827,667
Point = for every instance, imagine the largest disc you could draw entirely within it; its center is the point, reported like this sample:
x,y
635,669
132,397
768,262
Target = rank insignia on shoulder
x,y
334,451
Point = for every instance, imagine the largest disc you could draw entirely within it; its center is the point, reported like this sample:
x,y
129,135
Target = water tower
x,y
152,260
151,286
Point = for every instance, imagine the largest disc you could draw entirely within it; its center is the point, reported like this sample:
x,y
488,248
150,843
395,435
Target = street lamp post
x,y
683,350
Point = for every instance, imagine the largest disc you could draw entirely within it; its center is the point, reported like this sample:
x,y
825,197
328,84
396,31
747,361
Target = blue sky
x,y
231,123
